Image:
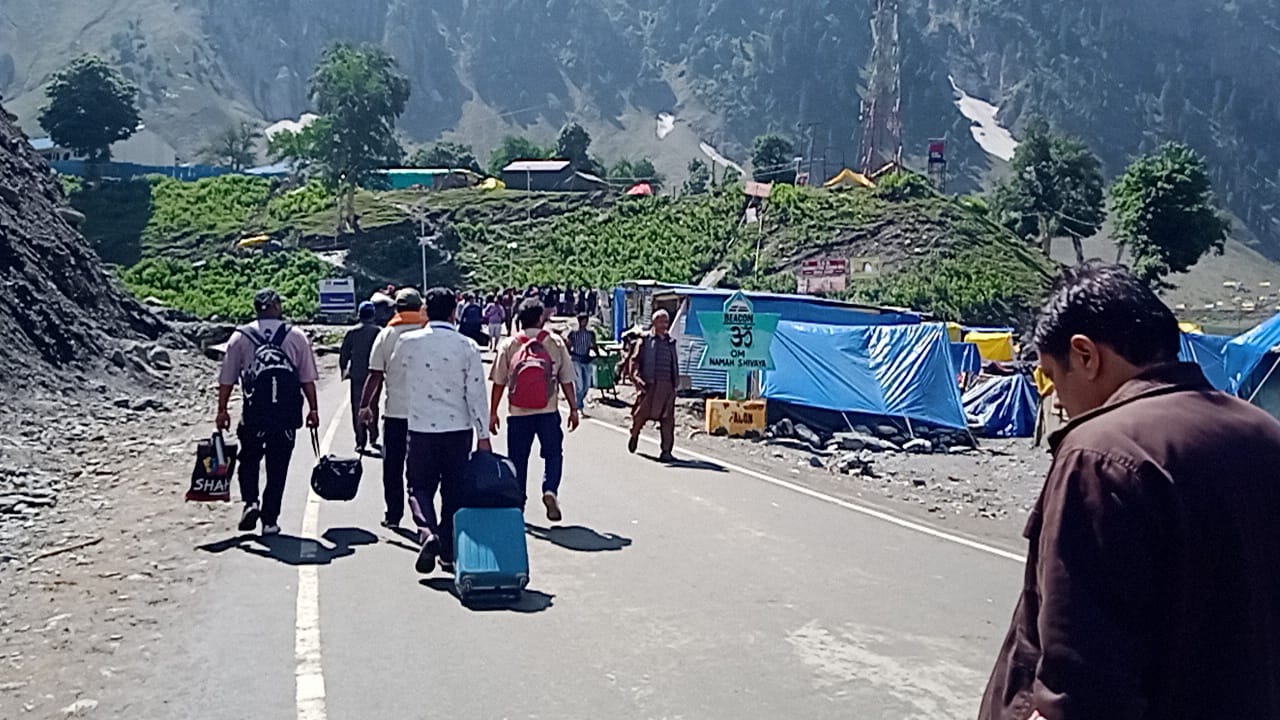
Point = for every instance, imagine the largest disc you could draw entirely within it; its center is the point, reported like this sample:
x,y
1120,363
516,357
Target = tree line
x,y
1165,213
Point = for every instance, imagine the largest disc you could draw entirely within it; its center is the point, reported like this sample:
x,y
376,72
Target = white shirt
x,y
444,380
395,382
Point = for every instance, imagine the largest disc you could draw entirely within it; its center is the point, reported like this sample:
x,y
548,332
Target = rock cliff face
x,y
1125,74
59,307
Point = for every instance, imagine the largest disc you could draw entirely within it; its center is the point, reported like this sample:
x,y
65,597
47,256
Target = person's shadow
x,y
293,550
578,538
686,464
527,602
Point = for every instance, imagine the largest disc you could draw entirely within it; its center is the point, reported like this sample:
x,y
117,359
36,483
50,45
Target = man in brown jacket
x,y
1152,585
655,369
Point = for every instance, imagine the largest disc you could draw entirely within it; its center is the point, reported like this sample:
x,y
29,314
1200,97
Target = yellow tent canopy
x,y
955,331
847,178
254,240
996,346
493,184
1190,327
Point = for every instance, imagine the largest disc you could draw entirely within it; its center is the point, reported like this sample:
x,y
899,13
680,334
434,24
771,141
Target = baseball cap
x,y
366,310
408,299
266,298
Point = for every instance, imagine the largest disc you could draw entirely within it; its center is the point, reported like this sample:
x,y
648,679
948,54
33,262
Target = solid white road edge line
x,y
862,509
309,674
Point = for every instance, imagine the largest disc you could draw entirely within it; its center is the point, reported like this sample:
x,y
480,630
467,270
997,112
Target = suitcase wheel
x,y
465,586
523,580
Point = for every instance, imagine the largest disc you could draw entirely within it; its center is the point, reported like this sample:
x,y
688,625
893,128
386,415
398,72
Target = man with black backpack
x,y
275,367
534,365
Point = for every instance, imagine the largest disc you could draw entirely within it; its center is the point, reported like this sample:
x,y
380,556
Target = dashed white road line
x,y
309,673
847,505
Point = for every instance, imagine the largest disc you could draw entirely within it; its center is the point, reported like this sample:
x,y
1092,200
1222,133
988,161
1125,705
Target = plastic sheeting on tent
x,y
1007,406
1245,352
966,358
1207,352
994,345
890,370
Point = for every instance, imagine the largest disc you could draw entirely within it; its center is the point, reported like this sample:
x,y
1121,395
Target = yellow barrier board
x,y
735,417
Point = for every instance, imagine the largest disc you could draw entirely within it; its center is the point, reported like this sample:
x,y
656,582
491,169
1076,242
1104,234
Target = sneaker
x,y
390,524
249,519
633,443
446,566
553,506
427,555
270,530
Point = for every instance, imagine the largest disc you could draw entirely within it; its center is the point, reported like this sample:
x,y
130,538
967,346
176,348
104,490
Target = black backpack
x,y
472,315
272,393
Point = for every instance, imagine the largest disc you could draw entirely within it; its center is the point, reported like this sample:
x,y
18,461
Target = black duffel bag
x,y
490,481
334,477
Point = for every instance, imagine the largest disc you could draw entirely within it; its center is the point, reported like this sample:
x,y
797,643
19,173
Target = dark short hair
x,y
441,302
530,313
1111,306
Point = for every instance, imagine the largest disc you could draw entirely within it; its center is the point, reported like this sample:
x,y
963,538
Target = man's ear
x,y
1085,356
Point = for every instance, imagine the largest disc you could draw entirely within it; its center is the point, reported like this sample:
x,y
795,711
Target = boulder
x,y
886,431
919,446
802,432
159,358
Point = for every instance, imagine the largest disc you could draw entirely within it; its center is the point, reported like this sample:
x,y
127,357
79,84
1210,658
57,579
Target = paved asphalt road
x,y
691,592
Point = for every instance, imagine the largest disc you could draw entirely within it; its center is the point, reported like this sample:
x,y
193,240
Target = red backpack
x,y
532,373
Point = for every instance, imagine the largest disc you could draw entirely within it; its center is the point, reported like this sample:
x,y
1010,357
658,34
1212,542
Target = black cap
x,y
266,298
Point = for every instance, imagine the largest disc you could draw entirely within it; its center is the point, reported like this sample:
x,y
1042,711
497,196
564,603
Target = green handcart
x,y
606,379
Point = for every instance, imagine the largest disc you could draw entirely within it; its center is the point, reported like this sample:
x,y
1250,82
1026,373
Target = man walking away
x,y
508,303
567,301
446,407
395,424
494,316
1151,588
582,348
656,373
472,321
353,363
532,363
275,367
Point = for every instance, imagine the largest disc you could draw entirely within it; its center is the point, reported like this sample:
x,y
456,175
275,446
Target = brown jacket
x,y
645,360
1152,583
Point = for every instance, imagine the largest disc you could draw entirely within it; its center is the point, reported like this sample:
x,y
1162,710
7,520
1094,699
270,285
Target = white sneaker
x,y
270,530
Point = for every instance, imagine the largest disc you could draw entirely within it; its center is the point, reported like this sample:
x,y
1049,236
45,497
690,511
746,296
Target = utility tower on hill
x,y
882,105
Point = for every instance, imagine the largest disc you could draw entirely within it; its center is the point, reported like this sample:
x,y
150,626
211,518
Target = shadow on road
x,y
579,538
531,601
686,464
293,550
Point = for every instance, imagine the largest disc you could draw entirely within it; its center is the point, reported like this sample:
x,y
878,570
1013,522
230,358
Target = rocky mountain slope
x,y
59,307
1126,75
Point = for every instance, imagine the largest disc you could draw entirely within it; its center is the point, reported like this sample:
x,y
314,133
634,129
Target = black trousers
x,y
276,448
364,435
395,447
437,461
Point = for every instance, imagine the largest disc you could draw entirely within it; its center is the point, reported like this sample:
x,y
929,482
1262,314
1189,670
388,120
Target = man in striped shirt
x,y
582,348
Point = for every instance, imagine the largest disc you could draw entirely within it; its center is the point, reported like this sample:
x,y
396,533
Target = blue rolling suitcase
x,y
491,555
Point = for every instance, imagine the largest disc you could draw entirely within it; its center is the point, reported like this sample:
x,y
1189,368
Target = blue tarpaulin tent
x,y
1246,352
1007,406
1207,352
890,370
966,357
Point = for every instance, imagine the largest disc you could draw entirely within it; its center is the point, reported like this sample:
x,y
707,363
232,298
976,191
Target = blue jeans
x,y
521,430
582,383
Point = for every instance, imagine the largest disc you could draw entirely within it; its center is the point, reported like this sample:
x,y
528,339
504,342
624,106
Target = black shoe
x,y
249,519
427,555
446,566
376,445
360,449
666,458
390,524
633,443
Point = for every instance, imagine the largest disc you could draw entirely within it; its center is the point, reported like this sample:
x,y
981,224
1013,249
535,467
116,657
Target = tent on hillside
x,y
640,189
1252,362
847,179
824,372
1007,406
1207,352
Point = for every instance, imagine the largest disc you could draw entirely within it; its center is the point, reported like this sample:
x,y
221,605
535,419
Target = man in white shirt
x,y
445,384
395,424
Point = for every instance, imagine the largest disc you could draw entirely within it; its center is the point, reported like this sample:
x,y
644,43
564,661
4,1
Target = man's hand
x,y
366,416
313,419
574,419
495,422
484,446
223,420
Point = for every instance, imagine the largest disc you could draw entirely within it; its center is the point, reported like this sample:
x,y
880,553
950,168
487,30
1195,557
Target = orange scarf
x,y
409,317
